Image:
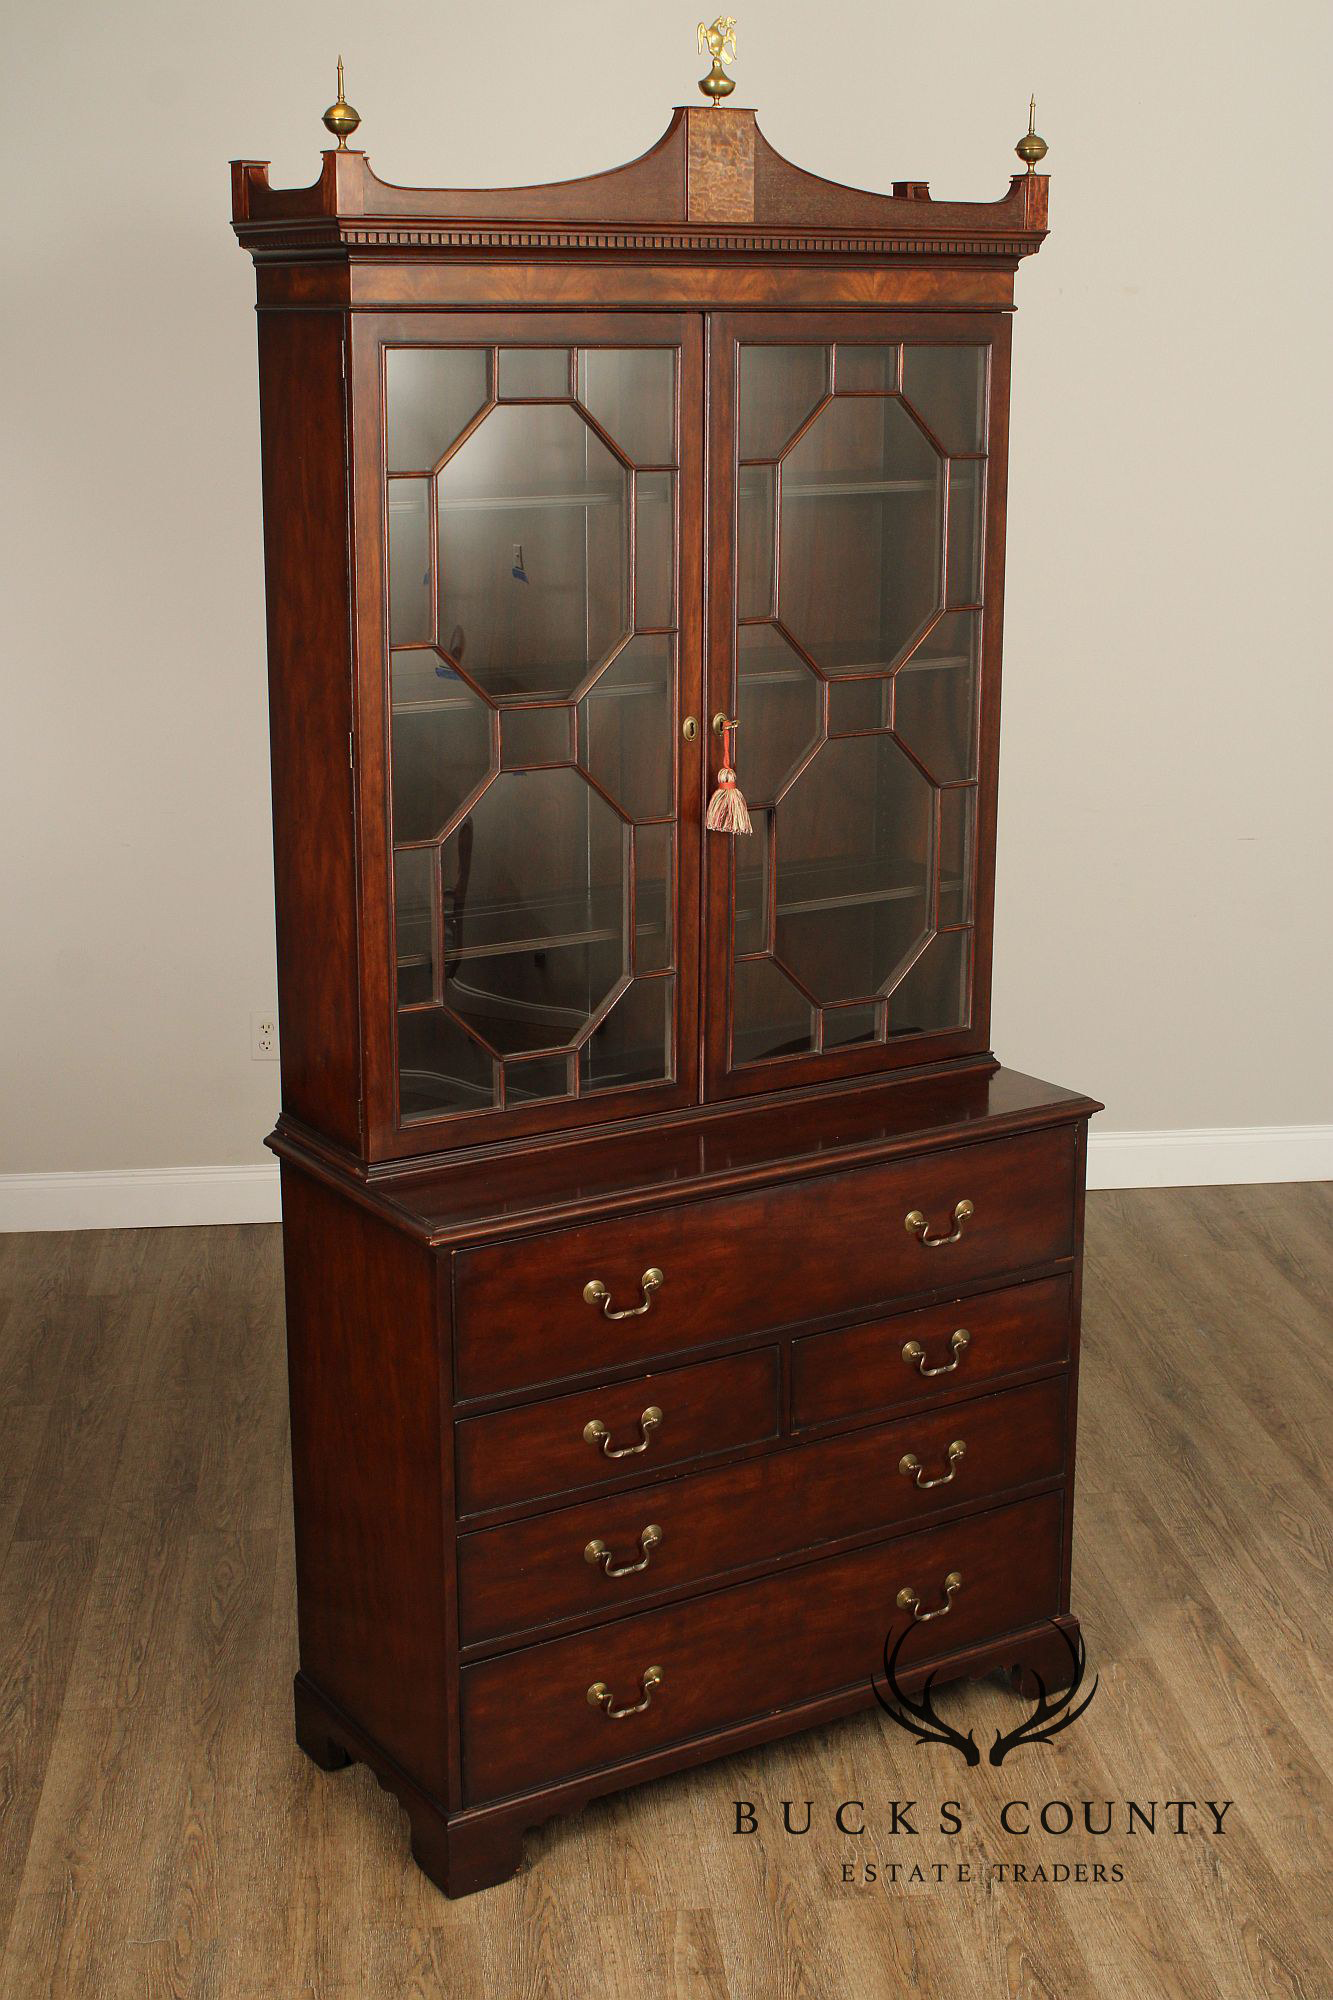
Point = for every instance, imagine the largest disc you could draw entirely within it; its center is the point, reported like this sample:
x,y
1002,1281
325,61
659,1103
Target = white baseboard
x,y
168,1197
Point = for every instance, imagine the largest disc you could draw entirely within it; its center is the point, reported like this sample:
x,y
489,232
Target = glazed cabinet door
x,y
856,519
527,529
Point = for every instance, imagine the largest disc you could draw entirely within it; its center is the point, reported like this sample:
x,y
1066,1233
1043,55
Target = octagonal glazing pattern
x,y
533,697
859,573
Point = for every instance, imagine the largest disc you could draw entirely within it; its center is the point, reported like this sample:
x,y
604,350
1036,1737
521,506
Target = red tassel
x,y
727,810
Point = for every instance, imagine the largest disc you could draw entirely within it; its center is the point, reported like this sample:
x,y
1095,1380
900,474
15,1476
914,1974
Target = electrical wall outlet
x,y
263,1038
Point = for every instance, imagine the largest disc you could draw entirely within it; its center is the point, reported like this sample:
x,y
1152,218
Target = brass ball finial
x,y
1031,149
340,118
719,42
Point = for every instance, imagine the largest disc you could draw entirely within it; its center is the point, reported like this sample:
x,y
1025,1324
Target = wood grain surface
x,y
161,1834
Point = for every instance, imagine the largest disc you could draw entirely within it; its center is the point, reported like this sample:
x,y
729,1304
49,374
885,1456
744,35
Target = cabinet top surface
x,y
678,1158
712,183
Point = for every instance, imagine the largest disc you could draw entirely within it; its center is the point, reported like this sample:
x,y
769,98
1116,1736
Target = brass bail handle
x,y
600,1696
598,1436
914,1354
600,1556
911,1467
909,1601
916,1225
596,1294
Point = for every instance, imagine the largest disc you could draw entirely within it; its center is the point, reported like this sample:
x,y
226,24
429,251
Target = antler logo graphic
x,y
920,1719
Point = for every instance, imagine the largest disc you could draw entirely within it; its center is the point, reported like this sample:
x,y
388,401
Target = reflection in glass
x,y
654,550
442,743
409,560
633,1044
535,736
862,497
440,1068
534,550
755,536
750,858
855,864
533,371
653,903
631,391
541,1077
535,998
779,707
779,386
414,918
947,386
769,1017
540,859
957,822
935,698
845,1026
625,727
933,995
967,479
866,368
431,395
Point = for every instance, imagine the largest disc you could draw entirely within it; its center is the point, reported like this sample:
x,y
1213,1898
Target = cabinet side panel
x,y
310,715
367,1472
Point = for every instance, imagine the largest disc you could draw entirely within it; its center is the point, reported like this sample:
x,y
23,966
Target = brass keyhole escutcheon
x,y
689,729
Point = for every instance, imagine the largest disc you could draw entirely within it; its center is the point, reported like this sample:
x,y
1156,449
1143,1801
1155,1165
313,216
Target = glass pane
x,y
516,999
535,736
409,560
769,1017
440,1068
864,368
845,1026
539,861
633,1044
431,395
414,916
967,481
632,393
958,811
654,549
534,551
855,706
534,371
779,386
751,860
653,907
626,737
862,496
755,533
855,868
947,386
779,707
935,698
442,743
543,1077
934,994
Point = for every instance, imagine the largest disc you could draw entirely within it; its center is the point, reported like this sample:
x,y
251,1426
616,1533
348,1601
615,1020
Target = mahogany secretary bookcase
x,y
681,1300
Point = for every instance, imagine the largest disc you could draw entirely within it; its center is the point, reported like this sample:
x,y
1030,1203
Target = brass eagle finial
x,y
719,42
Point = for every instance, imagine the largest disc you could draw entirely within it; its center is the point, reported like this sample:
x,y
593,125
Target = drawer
x,y
540,1449
829,1246
866,1369
678,1532
758,1647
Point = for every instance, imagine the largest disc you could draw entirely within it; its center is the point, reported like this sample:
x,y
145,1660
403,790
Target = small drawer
x,y
942,1351
546,1712
603,1554
552,1447
579,1301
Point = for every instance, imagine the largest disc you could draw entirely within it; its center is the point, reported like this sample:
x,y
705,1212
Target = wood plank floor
x,y
161,1835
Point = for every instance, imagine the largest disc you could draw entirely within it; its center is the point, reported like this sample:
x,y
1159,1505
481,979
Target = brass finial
x,y
719,42
1031,149
340,118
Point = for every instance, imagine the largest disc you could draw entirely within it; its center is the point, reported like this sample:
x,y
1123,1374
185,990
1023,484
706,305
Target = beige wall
x,y
1164,836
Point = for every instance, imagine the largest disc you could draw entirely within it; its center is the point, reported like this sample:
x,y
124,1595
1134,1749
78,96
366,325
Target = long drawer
x,y
940,1351
578,1301
604,1554
528,1719
605,1436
